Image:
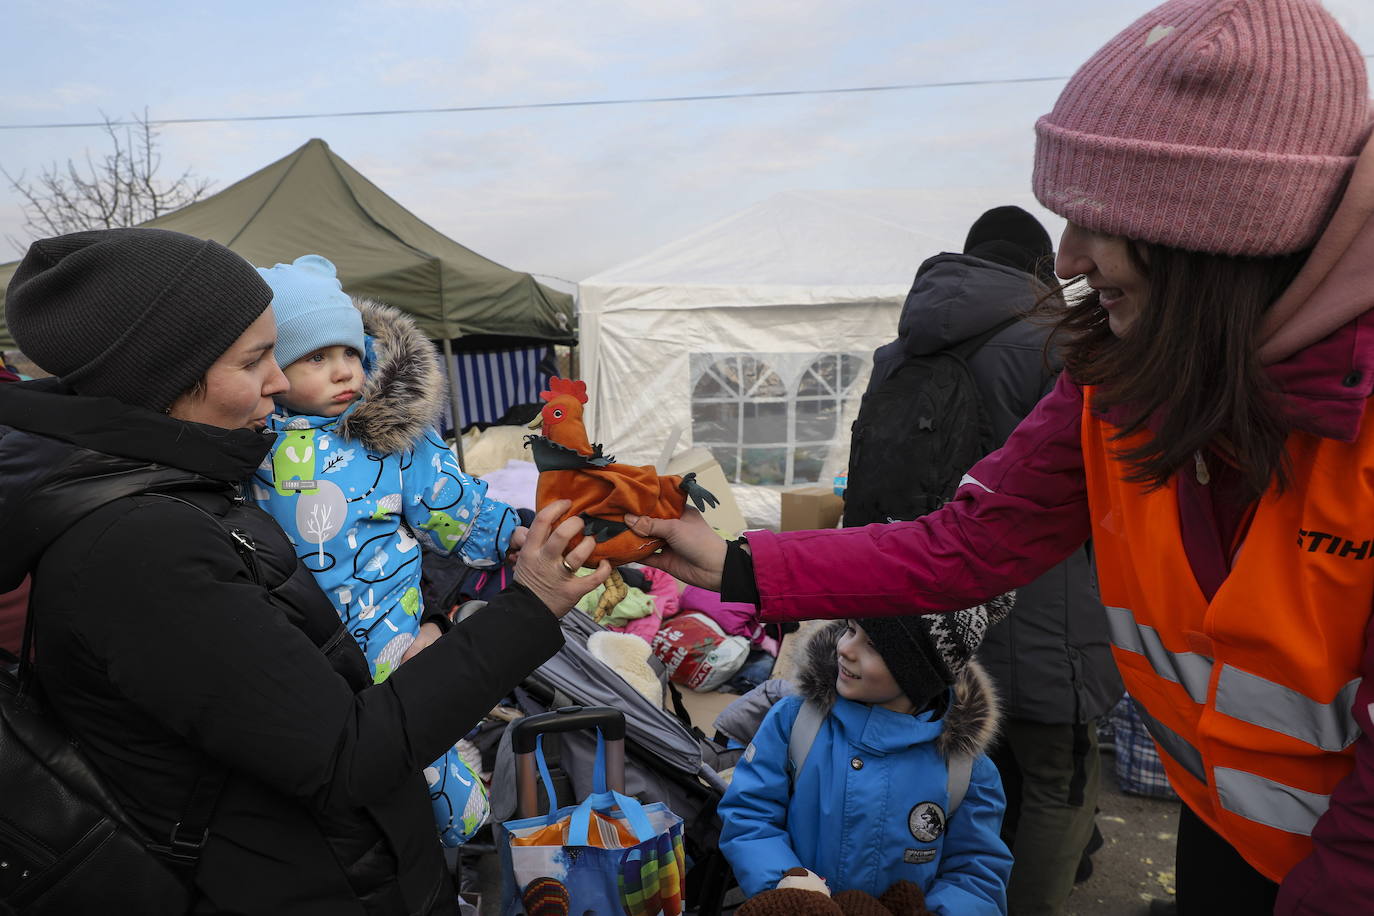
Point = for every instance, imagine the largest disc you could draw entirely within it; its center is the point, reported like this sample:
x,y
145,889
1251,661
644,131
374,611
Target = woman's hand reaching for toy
x,y
695,553
546,566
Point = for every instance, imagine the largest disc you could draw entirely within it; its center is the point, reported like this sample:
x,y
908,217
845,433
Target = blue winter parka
x,y
869,805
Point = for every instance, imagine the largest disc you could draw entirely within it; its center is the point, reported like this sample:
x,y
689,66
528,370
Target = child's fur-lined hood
x,y
403,394
970,722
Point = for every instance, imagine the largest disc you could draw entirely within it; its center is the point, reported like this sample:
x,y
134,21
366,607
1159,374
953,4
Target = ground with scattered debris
x,y
1136,863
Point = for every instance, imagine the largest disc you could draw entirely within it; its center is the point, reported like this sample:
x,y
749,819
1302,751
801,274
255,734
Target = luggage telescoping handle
x,y
524,741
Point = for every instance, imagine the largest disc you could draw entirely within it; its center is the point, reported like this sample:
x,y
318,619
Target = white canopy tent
x,y
753,336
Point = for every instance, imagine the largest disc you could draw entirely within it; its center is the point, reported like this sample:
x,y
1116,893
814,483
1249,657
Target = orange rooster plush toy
x,y
602,492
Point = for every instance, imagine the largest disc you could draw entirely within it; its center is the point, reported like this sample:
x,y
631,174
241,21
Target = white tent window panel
x,y
771,419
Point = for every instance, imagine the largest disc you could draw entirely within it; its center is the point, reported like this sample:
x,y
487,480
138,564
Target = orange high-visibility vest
x,y
1248,696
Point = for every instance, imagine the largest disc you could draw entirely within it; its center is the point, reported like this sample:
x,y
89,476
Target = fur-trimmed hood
x,y
971,721
403,395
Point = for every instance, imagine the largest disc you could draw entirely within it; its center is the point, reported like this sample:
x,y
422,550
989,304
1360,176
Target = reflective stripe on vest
x,y
1329,726
1268,802
1174,744
1240,694
1246,794
1188,669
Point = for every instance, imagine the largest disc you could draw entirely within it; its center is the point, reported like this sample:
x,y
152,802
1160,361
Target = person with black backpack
x,y
235,755
1051,660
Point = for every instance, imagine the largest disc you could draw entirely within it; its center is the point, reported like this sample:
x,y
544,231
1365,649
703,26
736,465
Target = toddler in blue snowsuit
x,y
359,478
890,784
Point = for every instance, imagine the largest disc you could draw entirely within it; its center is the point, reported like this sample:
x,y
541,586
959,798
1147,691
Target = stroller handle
x,y
610,720
524,732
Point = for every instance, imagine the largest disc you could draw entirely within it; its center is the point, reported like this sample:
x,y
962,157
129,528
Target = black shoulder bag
x,y
66,844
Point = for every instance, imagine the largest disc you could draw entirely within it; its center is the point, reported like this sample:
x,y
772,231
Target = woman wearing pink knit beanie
x,y
1212,435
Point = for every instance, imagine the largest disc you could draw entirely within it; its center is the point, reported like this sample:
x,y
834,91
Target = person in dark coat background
x,y
1051,660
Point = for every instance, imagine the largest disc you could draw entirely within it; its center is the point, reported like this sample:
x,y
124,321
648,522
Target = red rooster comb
x,y
557,386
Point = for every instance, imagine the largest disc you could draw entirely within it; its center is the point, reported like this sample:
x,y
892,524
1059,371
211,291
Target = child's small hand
x,y
517,540
429,632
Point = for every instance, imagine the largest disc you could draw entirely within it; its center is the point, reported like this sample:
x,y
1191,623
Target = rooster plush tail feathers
x,y
699,495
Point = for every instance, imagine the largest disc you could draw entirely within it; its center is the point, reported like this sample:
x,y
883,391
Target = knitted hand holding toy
x,y
901,899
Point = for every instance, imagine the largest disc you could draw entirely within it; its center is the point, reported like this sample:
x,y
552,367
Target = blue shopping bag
x,y
608,855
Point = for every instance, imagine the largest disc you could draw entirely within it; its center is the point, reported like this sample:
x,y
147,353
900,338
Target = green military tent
x,y
312,202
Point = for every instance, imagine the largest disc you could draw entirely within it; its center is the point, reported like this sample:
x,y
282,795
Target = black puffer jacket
x,y
159,651
1051,658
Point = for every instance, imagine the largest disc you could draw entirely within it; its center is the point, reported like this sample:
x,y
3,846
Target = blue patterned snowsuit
x,y
357,513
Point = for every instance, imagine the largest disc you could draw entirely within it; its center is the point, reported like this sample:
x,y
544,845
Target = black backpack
x,y
66,844
917,433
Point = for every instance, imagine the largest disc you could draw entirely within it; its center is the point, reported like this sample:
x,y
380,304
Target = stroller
x,y
666,758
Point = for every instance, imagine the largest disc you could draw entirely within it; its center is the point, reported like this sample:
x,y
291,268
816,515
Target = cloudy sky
x,y
569,191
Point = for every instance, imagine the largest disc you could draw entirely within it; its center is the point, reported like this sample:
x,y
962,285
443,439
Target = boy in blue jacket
x,y
359,477
893,787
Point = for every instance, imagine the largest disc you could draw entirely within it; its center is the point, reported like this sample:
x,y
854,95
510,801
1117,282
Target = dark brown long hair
x,y
1187,367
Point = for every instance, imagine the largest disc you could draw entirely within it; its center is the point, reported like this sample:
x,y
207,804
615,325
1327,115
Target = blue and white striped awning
x,y
491,382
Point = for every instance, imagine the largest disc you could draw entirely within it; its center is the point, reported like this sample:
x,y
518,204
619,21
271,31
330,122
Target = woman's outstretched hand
x,y
546,566
695,553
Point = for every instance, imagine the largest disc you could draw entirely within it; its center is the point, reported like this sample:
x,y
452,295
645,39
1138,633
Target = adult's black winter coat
x,y
160,652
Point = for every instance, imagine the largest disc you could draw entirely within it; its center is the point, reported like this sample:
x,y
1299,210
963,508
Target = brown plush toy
x,y
901,899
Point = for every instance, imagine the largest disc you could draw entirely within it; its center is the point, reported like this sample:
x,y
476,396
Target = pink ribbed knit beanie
x,y
1224,126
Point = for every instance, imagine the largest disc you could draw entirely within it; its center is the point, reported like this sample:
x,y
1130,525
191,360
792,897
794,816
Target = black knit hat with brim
x,y
926,653
135,314
1013,225
1014,238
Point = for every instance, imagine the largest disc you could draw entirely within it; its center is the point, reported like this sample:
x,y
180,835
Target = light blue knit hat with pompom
x,y
311,308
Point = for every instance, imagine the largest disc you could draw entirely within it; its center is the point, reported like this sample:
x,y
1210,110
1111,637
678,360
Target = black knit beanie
x,y
133,314
995,234
927,652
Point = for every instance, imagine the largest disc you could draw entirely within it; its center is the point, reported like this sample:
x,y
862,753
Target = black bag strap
x,y
679,707
242,541
966,348
683,716
192,829
190,833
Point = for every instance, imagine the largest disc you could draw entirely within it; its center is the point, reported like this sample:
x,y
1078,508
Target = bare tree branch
x,y
120,188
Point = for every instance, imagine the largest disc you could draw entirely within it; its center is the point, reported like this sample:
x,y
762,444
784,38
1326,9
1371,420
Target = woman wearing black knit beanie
x,y
175,637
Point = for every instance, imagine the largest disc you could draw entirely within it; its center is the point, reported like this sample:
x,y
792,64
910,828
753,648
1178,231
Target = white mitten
x,y
803,880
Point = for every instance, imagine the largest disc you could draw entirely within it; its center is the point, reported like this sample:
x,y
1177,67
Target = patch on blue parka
x,y
918,856
926,821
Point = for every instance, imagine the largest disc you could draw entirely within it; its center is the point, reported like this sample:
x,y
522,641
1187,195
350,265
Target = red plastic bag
x,y
697,652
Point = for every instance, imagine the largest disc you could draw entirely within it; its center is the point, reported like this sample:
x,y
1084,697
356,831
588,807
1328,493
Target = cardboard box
x,y
726,517
809,508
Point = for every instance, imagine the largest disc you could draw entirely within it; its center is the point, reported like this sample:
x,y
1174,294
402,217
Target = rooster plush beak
x,y
537,422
